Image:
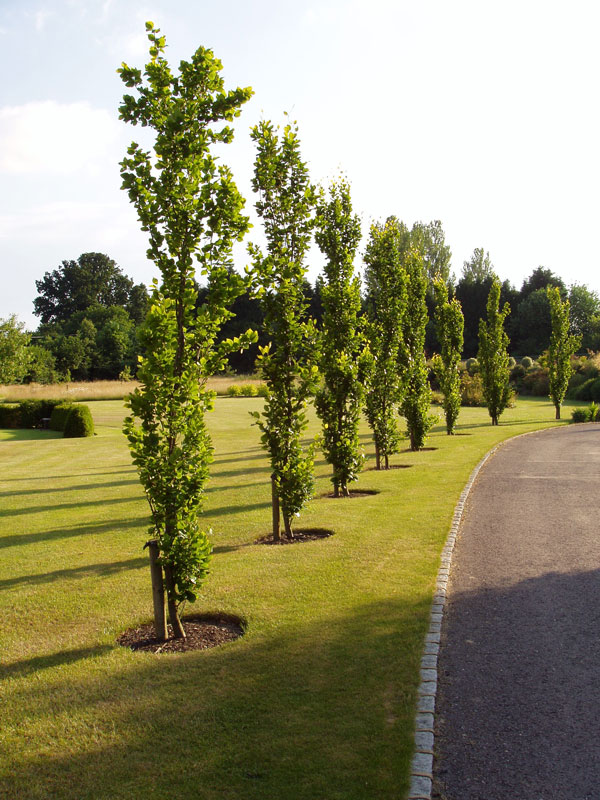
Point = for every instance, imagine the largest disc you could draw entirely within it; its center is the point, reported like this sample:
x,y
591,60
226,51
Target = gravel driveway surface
x,y
518,709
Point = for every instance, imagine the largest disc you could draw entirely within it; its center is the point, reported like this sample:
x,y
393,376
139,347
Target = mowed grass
x,y
315,702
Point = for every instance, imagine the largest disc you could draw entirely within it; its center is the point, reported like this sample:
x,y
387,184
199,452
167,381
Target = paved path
x,y
518,710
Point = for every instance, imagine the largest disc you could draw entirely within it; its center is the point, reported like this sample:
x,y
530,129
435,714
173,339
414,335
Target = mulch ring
x,y
300,535
202,631
353,493
391,466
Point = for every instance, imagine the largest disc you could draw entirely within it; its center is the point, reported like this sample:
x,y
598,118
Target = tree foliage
x,y
286,201
15,356
493,355
339,401
190,207
412,362
563,345
386,288
449,325
94,279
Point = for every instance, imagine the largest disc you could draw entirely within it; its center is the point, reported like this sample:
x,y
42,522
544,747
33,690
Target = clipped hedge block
x,y
79,422
10,415
58,417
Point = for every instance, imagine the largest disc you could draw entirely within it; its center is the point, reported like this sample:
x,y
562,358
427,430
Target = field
x,y
315,702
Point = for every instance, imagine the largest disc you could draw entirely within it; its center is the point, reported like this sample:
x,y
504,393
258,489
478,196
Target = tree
x,y
478,267
339,401
493,355
15,356
562,346
94,279
584,315
386,281
449,325
430,239
286,201
412,361
191,208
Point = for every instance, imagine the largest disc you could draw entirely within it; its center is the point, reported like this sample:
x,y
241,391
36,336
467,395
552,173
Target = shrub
x,y
593,412
10,415
34,411
249,390
59,415
584,391
471,390
595,390
512,362
234,390
527,362
579,415
591,365
472,366
517,373
536,383
79,422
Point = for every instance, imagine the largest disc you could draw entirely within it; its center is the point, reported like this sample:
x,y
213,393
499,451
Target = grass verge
x,y
316,700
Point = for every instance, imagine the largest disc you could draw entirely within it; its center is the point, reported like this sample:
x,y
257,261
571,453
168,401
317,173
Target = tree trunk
x,y
158,591
287,522
336,490
557,412
178,631
345,490
275,510
377,457
387,461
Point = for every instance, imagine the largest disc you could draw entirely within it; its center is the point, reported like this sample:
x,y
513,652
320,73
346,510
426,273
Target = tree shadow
x,y
100,570
61,658
518,690
16,512
87,529
333,689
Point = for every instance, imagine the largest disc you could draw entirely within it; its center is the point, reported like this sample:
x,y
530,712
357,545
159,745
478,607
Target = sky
x,y
481,114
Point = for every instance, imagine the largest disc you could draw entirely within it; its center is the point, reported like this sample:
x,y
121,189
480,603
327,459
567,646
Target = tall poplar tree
x,y
192,211
563,345
449,322
493,354
385,280
286,201
412,362
339,401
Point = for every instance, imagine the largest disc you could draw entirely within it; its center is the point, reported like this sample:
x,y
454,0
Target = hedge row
x,y
74,420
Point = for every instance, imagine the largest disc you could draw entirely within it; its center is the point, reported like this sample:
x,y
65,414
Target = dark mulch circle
x,y
202,632
353,493
300,535
422,450
391,466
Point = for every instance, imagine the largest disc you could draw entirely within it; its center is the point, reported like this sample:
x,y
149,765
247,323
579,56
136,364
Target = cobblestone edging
x,y
421,779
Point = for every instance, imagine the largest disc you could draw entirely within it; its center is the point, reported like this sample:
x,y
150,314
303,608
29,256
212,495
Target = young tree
x,y
15,355
562,346
412,362
339,401
191,208
449,326
286,201
385,280
493,354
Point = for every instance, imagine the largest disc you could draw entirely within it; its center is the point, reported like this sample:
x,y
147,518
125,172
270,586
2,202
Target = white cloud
x,y
53,138
40,18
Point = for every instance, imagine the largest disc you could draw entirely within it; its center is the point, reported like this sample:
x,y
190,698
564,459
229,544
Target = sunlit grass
x,y
316,700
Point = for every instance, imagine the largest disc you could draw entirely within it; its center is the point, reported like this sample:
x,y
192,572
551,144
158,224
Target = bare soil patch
x,y
202,631
353,493
300,535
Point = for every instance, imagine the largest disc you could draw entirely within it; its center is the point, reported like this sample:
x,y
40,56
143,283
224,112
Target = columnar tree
x,y
449,323
413,364
339,401
15,355
562,346
493,354
385,280
191,209
286,201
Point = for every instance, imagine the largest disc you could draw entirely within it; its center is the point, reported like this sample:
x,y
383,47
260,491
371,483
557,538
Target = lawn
x,y
315,702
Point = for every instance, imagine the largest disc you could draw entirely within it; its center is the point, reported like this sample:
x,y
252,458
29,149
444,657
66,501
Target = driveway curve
x,y
518,707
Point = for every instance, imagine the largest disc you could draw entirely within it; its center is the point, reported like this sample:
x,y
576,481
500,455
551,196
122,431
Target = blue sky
x,y
481,114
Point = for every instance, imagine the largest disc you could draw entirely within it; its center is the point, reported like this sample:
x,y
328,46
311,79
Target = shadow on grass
x,y
38,478
61,658
39,509
86,529
100,570
82,487
321,709
234,509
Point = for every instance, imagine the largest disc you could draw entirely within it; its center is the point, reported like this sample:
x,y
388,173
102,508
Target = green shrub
x,y
234,390
10,415
512,362
249,390
471,390
59,415
262,389
79,422
584,390
472,366
594,413
517,373
536,383
595,390
34,411
527,362
579,415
